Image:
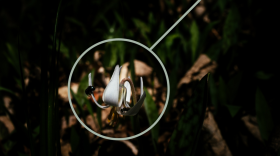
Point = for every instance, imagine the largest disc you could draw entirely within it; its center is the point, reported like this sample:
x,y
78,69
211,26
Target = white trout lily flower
x,y
117,94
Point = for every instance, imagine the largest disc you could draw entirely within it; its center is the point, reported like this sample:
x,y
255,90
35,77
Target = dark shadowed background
x,y
233,111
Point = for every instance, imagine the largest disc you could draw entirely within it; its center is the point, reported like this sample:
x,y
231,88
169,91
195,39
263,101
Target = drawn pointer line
x,y
185,14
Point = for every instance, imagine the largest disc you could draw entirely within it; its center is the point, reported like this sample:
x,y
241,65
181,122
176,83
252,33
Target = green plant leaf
x,y
152,114
233,110
36,132
264,116
205,34
214,51
79,105
222,4
194,39
262,75
111,55
141,25
120,20
186,134
170,39
106,7
143,28
231,27
6,90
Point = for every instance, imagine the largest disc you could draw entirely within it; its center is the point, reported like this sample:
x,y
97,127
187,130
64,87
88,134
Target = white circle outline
x,y
126,40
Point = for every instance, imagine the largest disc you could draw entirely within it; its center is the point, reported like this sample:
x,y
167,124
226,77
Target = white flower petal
x,y
128,90
141,85
89,80
135,109
111,92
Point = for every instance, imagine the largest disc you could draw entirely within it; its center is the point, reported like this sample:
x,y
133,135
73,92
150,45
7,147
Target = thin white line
x,y
185,14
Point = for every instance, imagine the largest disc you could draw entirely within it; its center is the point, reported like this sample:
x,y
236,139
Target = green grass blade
x,y
6,90
152,114
231,27
79,106
185,137
194,39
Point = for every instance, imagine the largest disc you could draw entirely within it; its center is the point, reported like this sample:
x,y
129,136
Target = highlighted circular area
x,y
124,40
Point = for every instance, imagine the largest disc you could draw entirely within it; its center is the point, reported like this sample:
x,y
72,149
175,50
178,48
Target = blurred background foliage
x,y
232,40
